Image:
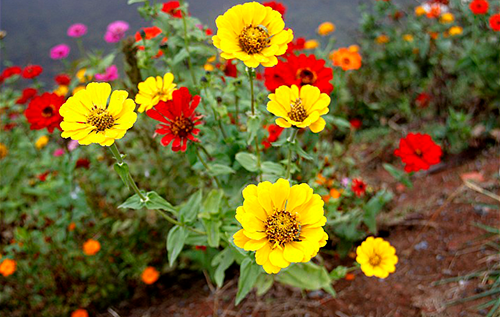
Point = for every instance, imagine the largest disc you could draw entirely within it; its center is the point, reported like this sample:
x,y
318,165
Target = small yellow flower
x,y
326,28
299,107
353,48
376,257
77,89
447,18
3,150
252,33
42,142
61,90
408,37
311,44
81,76
419,11
89,118
152,90
282,223
382,39
208,67
455,30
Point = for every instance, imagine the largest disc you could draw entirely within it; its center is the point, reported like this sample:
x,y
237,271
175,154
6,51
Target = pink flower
x,y
110,74
59,51
77,30
58,152
116,31
72,145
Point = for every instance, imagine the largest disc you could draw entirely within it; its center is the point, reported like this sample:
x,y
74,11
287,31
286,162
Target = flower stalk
x,y
291,141
251,76
207,167
186,44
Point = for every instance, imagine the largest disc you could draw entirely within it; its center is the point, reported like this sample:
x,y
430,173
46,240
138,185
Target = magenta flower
x,y
58,152
72,145
110,74
77,30
116,31
59,51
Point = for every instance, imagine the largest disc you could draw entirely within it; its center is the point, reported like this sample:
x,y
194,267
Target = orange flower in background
x,y
150,275
455,30
311,44
346,58
495,22
8,267
172,8
479,6
80,313
148,34
326,28
419,11
91,247
71,226
382,39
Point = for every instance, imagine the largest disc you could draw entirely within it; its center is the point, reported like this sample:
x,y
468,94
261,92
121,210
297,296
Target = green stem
x,y
79,43
207,167
175,222
186,45
251,75
236,104
291,140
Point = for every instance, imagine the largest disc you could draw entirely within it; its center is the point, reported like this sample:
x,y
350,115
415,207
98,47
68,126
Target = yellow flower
x,y
61,90
447,18
81,76
42,142
382,39
326,28
455,30
282,223
252,33
419,11
408,37
353,48
152,90
377,257
88,118
208,67
300,108
3,150
311,44
77,89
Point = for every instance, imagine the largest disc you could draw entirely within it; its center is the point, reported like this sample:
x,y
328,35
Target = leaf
x,y
135,1
122,170
155,201
189,211
175,242
263,283
273,168
212,227
248,161
181,56
308,276
219,169
223,261
341,123
212,202
399,175
298,149
338,273
133,202
253,126
249,271
373,207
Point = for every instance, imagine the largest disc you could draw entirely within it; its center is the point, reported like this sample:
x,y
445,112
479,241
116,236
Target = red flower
x,y
495,22
209,32
201,248
32,71
28,93
62,79
11,71
43,112
358,187
82,163
355,123
149,33
43,177
296,45
278,6
423,100
229,69
300,71
418,152
274,134
479,6
178,119
172,8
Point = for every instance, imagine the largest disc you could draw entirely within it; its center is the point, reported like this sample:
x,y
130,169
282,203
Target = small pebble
x,y
421,246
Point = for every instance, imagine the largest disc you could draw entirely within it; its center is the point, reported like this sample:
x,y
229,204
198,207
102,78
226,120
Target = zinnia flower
x,y
60,51
495,22
154,90
32,71
89,118
455,30
77,30
61,90
300,71
229,68
252,33
297,45
8,267
274,134
277,6
447,18
376,257
346,58
418,152
116,31
150,275
311,44
282,224
299,107
423,100
479,6
91,247
62,79
80,313
27,94
355,123
149,33
43,112
358,187
382,39
11,71
419,11
42,142
326,28
110,74
172,8
178,119
3,150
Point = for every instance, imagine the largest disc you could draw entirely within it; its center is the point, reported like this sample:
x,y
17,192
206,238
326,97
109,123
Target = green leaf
x,y
212,202
308,276
373,207
135,1
298,149
182,55
133,202
155,201
175,242
399,175
273,168
219,169
189,211
223,261
263,283
253,126
212,227
122,170
341,123
249,271
248,161
338,273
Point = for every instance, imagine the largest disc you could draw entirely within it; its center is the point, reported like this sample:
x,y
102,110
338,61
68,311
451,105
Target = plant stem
x,y
207,167
251,75
186,44
291,140
175,222
236,104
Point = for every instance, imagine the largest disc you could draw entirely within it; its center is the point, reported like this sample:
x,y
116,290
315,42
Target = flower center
x,y
306,76
298,113
48,111
182,126
100,119
253,39
375,260
418,152
346,61
282,227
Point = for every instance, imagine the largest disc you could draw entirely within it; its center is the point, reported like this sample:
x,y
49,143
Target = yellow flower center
x,y
298,113
253,39
306,76
100,119
282,227
182,127
375,260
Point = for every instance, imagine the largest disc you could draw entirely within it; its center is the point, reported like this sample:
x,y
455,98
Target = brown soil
x,y
431,226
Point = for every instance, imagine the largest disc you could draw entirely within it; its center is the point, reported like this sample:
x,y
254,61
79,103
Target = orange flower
x,y
80,313
320,179
150,275
346,58
350,277
91,247
335,194
382,39
7,267
71,226
434,35
311,44
419,11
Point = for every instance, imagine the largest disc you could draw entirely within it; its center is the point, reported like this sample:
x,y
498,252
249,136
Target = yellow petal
x,y
277,259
